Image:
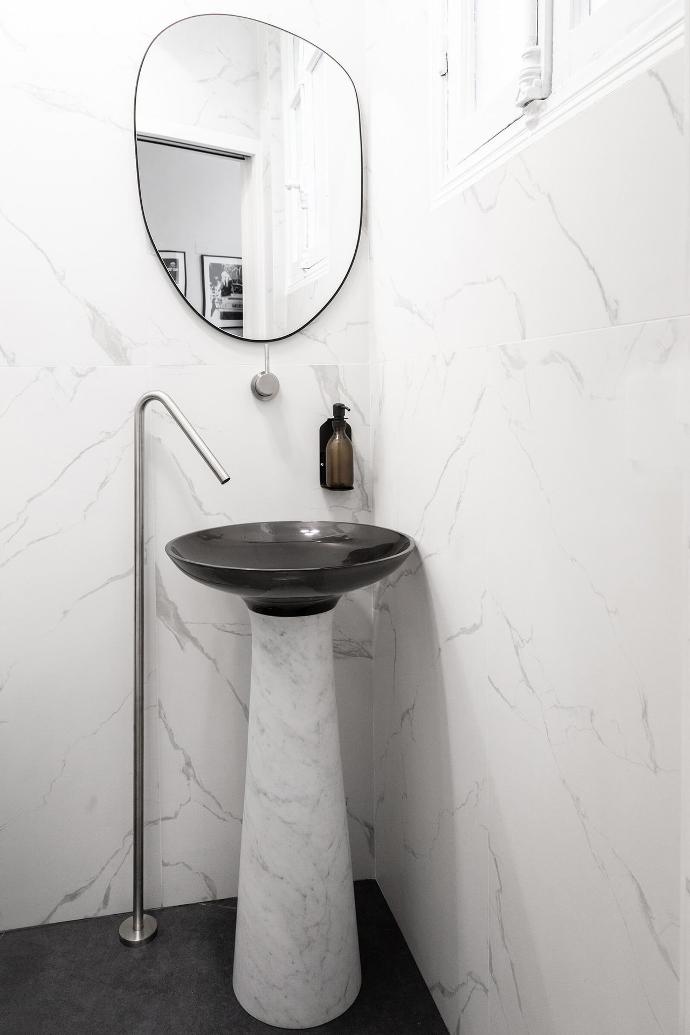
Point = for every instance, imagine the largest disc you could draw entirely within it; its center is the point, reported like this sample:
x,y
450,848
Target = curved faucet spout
x,y
180,419
140,928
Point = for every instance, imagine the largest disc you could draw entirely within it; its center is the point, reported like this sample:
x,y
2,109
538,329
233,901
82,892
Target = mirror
x,y
249,161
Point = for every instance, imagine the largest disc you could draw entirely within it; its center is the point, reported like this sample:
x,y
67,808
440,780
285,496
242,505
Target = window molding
x,y
474,114
306,176
657,36
606,35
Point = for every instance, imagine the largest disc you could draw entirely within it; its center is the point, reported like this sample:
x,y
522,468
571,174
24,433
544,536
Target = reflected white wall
x,y
193,201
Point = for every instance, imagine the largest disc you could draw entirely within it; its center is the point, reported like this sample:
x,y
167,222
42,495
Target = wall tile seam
x,y
173,367
379,361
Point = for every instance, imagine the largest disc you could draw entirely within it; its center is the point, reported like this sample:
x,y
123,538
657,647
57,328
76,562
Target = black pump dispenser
x,y
328,430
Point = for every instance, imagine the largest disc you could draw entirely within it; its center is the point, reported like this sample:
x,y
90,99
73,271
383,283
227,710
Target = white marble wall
x,y
531,429
531,424
87,322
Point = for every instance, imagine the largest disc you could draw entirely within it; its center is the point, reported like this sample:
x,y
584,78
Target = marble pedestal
x,y
296,951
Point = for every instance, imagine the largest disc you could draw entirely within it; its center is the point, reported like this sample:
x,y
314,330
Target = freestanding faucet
x,y
140,927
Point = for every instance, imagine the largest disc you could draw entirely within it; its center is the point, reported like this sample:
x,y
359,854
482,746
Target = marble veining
x,y
296,952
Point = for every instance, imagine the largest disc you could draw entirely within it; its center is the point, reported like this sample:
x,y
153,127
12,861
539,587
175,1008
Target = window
x,y
487,44
306,173
508,69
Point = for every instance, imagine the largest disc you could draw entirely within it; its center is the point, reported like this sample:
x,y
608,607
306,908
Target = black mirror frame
x,y
311,319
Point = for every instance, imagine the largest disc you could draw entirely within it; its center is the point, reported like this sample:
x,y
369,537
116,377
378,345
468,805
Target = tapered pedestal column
x,y
296,951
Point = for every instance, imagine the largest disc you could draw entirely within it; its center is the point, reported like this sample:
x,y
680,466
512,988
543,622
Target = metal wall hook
x,y
265,385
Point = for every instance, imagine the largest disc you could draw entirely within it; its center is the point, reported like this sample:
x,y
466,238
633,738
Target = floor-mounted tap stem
x,y
140,927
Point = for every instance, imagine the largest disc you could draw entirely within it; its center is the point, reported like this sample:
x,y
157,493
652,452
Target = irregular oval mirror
x,y
250,171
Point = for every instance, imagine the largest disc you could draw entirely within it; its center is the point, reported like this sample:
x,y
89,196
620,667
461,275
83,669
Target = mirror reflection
x,y
250,171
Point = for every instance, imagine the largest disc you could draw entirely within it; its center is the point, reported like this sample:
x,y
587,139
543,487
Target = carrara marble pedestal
x,y
296,951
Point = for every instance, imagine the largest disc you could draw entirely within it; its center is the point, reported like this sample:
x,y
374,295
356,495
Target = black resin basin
x,y
290,567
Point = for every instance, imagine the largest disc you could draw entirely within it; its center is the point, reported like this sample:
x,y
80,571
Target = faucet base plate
x,y
131,938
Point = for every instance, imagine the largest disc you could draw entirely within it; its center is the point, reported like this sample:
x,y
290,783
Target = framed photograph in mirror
x,y
176,265
222,277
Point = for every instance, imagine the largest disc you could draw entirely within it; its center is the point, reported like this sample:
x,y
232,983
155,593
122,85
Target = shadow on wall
x,y
414,785
436,856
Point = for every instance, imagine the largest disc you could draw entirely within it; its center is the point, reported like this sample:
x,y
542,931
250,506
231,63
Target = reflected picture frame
x,y
175,263
222,283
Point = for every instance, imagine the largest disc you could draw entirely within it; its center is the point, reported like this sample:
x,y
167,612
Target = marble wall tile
x,y
585,631
529,669
66,626
88,322
430,752
530,429
66,645
548,243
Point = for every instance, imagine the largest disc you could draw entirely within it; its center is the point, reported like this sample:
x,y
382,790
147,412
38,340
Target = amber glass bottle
x,y
339,456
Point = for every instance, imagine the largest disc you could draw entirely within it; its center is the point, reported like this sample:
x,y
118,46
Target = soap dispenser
x,y
337,460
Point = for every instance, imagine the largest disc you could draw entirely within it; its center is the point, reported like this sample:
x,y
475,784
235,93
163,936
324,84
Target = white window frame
x,y
580,55
306,180
586,45
470,127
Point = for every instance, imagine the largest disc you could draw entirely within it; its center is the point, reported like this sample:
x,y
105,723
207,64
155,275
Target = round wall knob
x,y
265,385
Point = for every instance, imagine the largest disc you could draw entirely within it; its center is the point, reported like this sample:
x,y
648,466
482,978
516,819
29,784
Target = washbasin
x,y
290,568
296,961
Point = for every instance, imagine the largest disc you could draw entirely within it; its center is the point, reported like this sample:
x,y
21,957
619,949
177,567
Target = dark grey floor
x,y
76,977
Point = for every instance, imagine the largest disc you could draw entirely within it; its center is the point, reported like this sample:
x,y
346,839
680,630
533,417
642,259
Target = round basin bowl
x,y
290,567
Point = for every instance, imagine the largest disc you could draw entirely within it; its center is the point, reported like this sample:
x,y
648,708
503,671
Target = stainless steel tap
x,y
140,927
